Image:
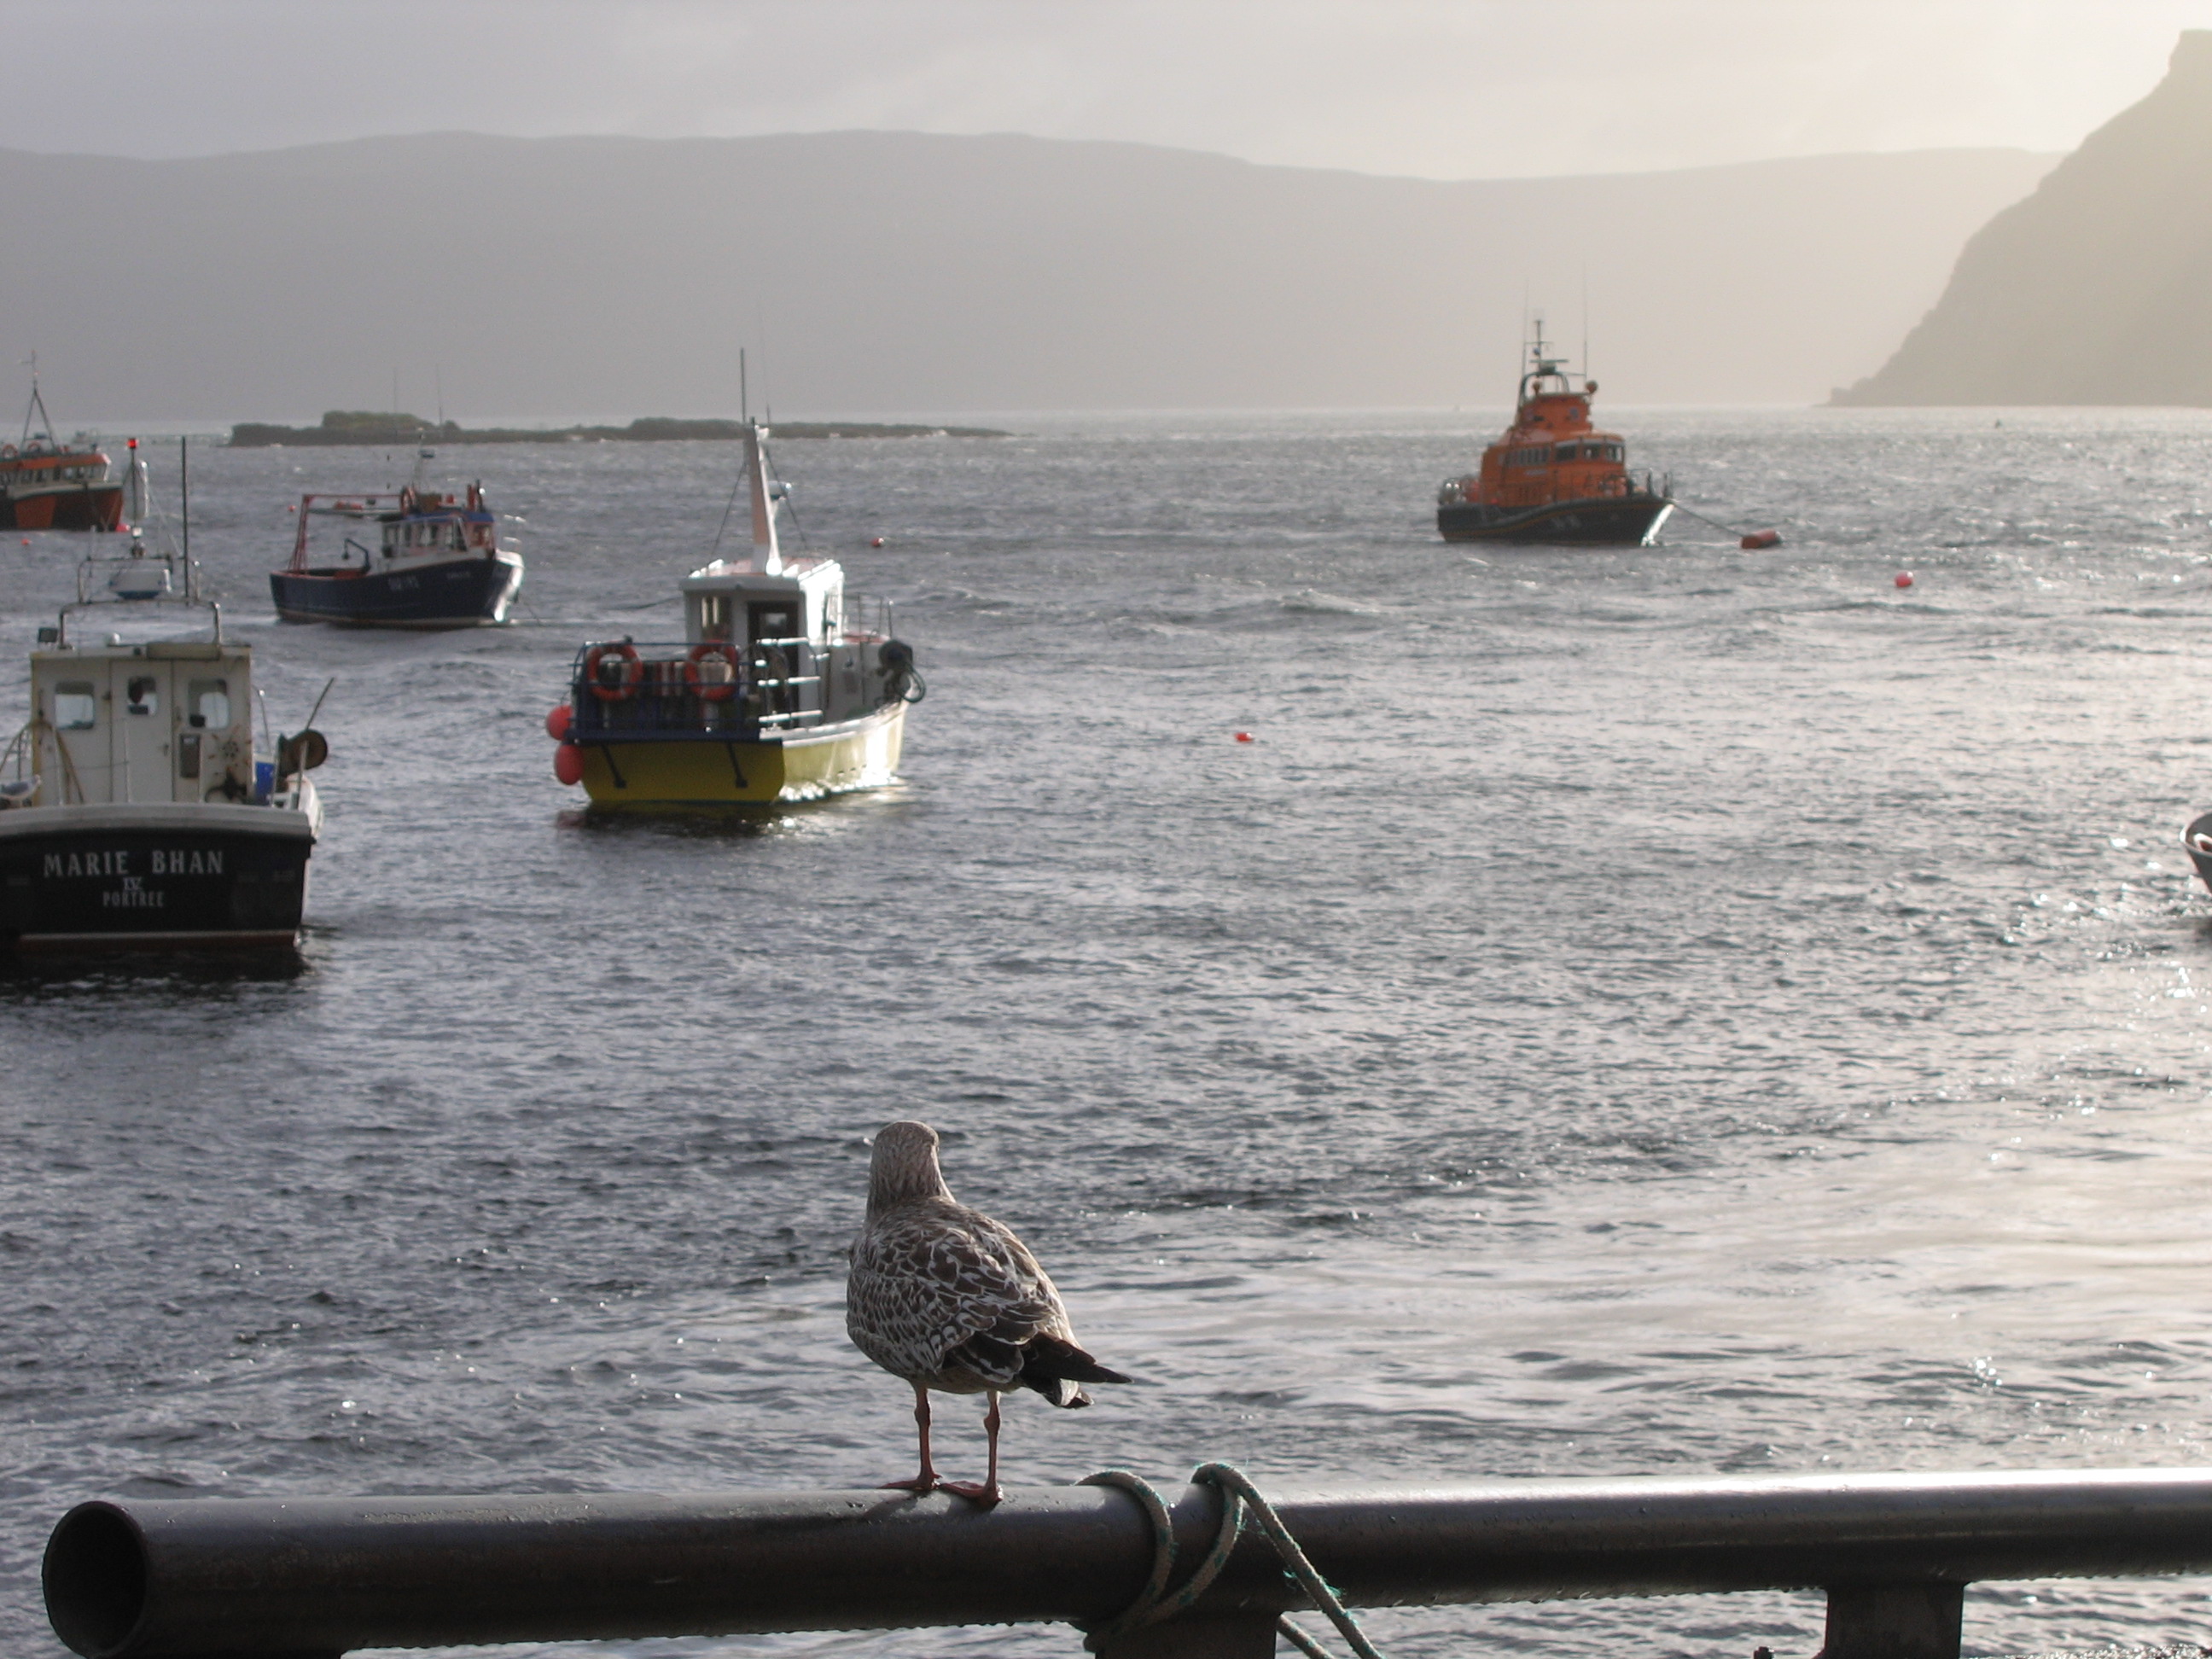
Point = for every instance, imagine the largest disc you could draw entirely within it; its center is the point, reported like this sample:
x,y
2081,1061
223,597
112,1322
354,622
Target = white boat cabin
x,y
736,603
166,721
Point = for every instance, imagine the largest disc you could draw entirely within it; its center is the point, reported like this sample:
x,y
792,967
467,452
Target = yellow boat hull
x,y
651,774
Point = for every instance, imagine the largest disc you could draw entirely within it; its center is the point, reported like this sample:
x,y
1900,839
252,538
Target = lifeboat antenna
x,y
745,397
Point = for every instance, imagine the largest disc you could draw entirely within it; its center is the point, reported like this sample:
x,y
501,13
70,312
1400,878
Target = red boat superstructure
x,y
1554,476
47,484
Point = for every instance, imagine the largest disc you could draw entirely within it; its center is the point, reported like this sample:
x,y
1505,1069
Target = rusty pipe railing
x,y
313,1577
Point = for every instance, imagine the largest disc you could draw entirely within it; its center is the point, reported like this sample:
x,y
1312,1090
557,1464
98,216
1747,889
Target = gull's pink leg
x,y
926,1481
990,1492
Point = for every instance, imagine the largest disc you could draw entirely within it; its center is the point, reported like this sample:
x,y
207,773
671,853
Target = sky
x,y
1435,88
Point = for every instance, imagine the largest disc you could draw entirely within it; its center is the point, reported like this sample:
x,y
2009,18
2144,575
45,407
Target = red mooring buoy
x,y
1905,579
1758,538
1243,737
875,542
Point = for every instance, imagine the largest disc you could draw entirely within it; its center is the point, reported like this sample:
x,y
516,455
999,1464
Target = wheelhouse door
x,y
139,693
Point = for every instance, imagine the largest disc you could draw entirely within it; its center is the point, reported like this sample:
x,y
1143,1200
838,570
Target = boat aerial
x,y
437,561
47,484
1554,476
136,812
778,692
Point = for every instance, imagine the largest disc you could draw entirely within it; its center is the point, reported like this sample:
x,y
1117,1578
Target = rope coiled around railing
x,y
1156,1602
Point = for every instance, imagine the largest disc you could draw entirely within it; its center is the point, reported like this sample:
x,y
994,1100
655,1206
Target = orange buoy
x,y
875,542
1905,579
556,722
1243,737
569,763
1758,538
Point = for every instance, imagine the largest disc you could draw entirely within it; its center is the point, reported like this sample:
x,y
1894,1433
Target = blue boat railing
x,y
663,693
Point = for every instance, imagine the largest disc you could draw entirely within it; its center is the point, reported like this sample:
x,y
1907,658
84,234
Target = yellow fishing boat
x,y
778,692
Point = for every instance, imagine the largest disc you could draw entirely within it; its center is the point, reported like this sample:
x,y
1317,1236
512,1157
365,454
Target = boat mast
x,y
766,554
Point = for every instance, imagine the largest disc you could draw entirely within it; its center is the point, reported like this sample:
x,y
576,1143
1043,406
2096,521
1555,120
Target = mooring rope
x,y
1155,1602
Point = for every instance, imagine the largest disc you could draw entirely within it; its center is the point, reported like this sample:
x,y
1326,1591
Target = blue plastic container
x,y
265,779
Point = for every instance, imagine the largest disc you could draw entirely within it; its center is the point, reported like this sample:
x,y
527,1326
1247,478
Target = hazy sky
x,y
1445,89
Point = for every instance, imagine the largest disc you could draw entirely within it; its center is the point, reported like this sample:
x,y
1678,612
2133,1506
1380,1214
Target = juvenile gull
x,y
950,1299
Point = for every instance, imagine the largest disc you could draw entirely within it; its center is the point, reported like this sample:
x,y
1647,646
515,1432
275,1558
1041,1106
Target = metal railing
x,y
777,686
313,1577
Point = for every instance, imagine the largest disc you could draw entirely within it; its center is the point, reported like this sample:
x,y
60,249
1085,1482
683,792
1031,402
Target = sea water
x,y
1670,1011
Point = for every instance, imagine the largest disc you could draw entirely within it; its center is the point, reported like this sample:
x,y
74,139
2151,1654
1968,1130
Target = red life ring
x,y
624,686
714,690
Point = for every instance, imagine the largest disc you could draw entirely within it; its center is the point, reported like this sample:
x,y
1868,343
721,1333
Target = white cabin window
x,y
210,704
76,707
145,695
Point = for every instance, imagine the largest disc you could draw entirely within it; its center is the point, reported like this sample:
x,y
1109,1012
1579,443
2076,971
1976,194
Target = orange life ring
x,y
714,690
624,686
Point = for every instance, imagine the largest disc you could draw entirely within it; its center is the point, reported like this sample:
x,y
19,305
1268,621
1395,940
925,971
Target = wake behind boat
x,y
1554,476
778,692
135,810
436,561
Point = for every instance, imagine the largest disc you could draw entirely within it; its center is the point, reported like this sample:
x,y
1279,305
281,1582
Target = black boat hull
x,y
1598,521
2196,840
459,594
125,878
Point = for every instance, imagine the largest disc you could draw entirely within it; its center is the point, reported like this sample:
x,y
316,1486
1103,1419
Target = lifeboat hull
x,y
1598,521
63,507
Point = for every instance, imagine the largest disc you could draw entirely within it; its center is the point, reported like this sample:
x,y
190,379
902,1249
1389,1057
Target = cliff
x,y
584,279
2097,289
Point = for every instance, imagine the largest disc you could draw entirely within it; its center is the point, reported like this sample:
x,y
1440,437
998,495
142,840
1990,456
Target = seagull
x,y
949,1300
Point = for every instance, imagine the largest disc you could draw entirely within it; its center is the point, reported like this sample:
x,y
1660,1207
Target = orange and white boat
x,y
1554,476
47,484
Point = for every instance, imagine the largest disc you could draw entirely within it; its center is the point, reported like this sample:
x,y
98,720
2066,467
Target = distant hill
x,y
2095,289
341,428
599,278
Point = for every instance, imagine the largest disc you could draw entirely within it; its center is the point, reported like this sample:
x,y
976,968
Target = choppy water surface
x,y
1670,1011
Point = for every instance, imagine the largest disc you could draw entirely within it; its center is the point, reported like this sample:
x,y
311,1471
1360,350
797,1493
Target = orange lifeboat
x,y
1554,476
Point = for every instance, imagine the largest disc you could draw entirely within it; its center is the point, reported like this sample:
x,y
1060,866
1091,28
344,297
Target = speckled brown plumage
x,y
950,1299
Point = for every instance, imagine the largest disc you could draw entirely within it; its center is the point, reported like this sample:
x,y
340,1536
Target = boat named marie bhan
x,y
136,812
1554,476
780,690
437,561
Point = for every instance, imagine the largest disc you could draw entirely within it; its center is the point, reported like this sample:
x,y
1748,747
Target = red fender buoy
x,y
569,763
556,722
1758,538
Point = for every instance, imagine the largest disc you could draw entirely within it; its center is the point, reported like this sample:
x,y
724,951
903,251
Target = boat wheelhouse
x,y
136,810
780,690
1554,476
437,560
47,484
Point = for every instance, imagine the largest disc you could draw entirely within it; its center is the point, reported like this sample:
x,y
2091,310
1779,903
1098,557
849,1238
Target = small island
x,y
347,426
